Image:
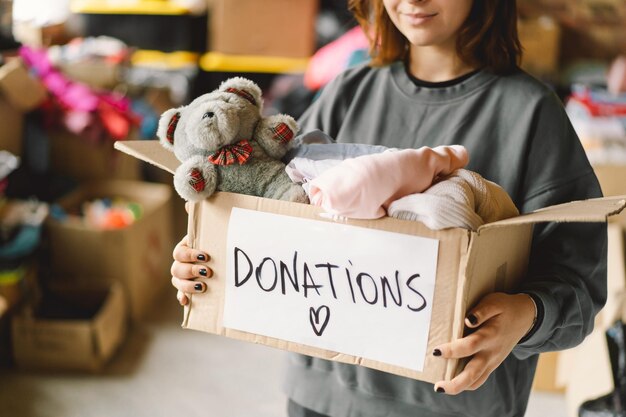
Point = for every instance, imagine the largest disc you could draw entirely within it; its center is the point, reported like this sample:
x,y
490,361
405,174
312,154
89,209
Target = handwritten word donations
x,y
362,287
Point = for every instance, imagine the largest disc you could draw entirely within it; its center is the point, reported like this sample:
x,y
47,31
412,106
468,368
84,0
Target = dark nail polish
x,y
203,272
198,287
441,390
201,257
436,352
472,319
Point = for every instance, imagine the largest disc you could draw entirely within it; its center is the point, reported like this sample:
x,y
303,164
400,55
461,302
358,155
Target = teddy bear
x,y
225,144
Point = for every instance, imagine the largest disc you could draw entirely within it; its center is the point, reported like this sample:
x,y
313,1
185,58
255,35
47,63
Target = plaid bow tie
x,y
237,152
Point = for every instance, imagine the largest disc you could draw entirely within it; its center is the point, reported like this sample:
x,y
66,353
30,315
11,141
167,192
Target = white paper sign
x,y
348,289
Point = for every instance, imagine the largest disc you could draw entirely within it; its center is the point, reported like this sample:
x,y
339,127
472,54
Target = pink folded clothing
x,y
363,187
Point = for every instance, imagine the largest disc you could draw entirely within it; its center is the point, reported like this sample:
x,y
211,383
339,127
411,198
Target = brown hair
x,y
488,38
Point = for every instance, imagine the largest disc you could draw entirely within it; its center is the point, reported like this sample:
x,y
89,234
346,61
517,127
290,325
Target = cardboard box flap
x,y
592,210
150,151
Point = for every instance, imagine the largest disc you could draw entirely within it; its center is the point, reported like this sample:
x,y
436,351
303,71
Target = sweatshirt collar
x,y
438,94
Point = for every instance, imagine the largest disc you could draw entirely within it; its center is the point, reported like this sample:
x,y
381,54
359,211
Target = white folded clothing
x,y
462,199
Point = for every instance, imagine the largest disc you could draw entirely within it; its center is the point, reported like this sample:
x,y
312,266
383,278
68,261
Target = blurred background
x,y
89,324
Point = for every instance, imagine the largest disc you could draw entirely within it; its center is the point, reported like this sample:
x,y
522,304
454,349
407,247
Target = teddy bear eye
x,y
208,115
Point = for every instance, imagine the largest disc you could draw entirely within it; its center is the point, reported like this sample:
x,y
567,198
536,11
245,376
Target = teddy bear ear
x,y
244,88
167,126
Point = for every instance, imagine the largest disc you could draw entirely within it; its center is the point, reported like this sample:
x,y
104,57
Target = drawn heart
x,y
317,316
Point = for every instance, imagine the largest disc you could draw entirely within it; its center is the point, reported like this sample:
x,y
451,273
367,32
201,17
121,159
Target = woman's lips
x,y
419,18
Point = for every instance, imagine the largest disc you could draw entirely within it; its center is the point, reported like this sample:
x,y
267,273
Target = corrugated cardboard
x,y
78,158
612,179
545,376
12,122
540,38
72,344
21,89
138,256
270,28
19,93
470,264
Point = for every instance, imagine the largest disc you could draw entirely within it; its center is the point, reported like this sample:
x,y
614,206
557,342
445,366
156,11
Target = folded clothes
x,y
448,197
462,199
363,187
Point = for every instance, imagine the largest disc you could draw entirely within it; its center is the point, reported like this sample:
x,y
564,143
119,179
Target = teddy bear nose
x,y
208,115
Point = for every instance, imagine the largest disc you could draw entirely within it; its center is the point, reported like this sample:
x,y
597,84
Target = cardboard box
x,y
51,340
546,374
19,93
82,160
12,122
468,266
19,87
139,256
611,178
540,38
269,28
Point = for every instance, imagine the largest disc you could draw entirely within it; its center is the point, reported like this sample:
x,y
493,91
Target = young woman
x,y
445,72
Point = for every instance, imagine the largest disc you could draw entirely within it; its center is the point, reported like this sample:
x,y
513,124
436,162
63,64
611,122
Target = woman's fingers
x,y
183,253
473,375
187,286
464,347
185,270
488,307
498,321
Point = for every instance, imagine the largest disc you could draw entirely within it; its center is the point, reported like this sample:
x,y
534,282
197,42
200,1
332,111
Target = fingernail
x,y
472,319
198,287
441,390
203,272
436,352
201,257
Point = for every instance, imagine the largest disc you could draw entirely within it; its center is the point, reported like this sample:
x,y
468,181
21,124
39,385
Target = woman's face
x,y
429,22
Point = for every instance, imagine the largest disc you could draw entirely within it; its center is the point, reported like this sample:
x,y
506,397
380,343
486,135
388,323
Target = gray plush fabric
x,y
224,117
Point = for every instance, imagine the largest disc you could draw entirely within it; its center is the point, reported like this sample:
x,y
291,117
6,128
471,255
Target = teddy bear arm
x,y
275,133
195,179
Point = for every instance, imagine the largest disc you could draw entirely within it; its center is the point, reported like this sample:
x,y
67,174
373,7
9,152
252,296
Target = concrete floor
x,y
163,371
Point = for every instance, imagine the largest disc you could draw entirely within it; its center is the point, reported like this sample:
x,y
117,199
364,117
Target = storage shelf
x,y
219,62
148,7
165,60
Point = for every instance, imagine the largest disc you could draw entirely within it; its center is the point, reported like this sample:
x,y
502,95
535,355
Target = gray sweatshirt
x,y
518,136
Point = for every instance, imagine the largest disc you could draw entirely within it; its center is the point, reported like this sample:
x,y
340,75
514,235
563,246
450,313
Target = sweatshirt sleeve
x,y
567,267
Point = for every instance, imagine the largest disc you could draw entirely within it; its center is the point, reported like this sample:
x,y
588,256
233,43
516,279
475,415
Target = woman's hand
x,y
500,320
188,265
